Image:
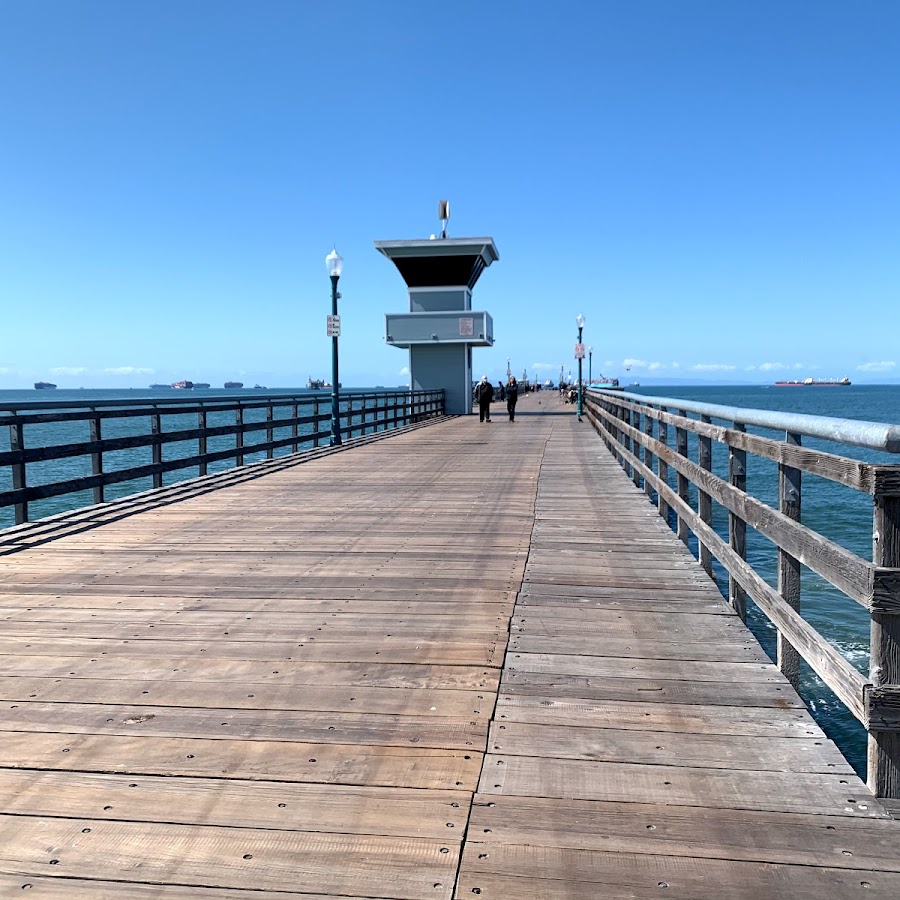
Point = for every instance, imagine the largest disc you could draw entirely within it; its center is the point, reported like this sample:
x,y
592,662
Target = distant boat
x,y
202,385
182,385
606,384
234,384
815,382
259,387
44,386
315,384
160,387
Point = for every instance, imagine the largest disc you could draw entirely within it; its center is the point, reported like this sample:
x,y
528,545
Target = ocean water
x,y
839,513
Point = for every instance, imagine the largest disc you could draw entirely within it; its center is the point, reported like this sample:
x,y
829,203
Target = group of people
x,y
484,395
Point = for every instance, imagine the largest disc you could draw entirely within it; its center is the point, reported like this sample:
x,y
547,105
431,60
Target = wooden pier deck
x,y
467,660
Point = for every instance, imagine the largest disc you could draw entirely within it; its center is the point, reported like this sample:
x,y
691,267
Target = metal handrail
x,y
855,432
187,398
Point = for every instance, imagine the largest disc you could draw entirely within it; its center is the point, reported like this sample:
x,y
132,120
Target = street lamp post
x,y
335,264
590,356
508,371
579,320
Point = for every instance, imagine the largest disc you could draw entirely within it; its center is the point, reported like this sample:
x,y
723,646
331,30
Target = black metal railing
x,y
61,448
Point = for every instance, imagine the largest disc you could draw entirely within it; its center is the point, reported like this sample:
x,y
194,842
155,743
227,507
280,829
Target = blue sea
x,y
841,514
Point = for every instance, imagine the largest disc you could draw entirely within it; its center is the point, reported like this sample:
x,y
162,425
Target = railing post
x,y
270,431
789,494
704,501
884,666
294,416
737,527
626,440
614,435
662,468
156,446
636,445
239,435
681,448
363,415
648,455
316,422
96,434
19,481
202,448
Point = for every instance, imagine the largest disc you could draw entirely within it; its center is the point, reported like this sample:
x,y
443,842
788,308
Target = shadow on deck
x,y
459,661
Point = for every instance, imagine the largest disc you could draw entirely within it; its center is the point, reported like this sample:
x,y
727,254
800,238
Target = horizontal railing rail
x,y
639,429
301,415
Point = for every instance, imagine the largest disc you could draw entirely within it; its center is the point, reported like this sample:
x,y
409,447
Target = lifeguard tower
x,y
441,328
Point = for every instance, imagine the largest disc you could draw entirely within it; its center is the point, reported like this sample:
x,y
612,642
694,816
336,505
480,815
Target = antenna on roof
x,y
443,215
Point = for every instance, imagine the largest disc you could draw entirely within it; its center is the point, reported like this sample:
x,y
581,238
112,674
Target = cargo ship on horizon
x,y
44,386
816,382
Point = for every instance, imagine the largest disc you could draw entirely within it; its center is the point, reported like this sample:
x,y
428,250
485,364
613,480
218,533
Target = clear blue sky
x,y
715,185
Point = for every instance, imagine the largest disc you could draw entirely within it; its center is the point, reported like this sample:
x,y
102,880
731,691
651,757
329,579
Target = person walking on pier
x,y
484,393
512,396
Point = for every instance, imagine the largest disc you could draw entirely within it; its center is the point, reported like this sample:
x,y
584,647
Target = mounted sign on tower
x,y
441,328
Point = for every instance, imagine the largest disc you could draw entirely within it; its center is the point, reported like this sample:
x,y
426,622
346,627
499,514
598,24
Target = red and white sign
x,y
579,351
466,327
333,326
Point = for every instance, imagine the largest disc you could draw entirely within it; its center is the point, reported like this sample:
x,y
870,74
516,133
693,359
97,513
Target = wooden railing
x,y
639,430
108,427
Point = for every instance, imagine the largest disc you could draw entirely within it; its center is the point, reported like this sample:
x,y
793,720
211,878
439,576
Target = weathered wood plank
x,y
613,667
410,767
41,887
284,806
738,834
227,857
412,700
361,728
524,873
524,776
548,709
776,693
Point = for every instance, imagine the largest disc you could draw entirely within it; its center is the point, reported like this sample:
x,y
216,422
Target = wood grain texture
x,y
280,687
642,746
462,658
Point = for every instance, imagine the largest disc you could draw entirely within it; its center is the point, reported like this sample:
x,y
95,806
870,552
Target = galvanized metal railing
x,y
638,429
297,417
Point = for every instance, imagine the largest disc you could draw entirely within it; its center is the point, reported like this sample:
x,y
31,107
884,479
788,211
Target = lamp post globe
x,y
334,262
579,321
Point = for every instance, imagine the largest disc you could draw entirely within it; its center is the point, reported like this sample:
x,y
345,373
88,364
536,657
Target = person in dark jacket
x,y
484,393
512,396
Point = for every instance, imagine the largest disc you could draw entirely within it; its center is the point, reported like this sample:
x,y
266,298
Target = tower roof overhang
x,y
440,262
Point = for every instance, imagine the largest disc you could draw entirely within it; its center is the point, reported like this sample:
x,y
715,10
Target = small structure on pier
x,y
441,328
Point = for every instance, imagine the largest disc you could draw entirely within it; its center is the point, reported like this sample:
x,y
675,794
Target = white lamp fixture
x,y
579,320
334,263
